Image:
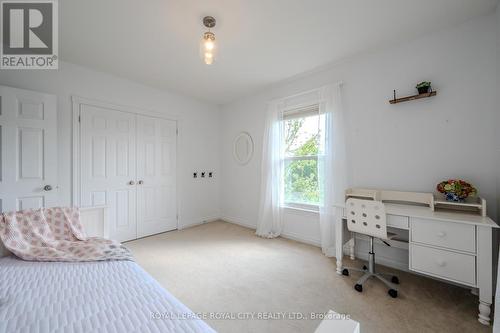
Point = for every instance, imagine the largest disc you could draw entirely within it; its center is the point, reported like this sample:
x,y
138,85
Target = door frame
x,y
77,102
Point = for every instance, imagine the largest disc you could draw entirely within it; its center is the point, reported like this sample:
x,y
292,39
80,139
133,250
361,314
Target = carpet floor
x,y
220,269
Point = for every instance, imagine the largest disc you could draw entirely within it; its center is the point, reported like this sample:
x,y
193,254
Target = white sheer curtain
x,y
270,222
332,164
332,171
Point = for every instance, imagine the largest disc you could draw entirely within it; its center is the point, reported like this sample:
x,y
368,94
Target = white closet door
x,y
156,175
28,149
108,166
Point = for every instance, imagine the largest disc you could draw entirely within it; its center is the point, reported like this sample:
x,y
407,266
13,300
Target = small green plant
x,y
423,84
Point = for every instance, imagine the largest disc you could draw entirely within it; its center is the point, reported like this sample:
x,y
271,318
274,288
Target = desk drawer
x,y
397,221
444,264
451,235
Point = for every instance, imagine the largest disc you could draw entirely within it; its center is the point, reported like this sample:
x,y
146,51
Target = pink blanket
x,y
55,234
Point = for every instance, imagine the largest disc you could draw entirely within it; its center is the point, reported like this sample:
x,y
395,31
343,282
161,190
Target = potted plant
x,y
423,87
456,189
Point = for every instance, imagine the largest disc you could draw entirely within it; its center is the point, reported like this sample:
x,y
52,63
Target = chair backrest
x,y
366,217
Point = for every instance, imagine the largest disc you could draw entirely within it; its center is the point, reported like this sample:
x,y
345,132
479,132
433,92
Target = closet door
x,y
156,175
28,149
108,166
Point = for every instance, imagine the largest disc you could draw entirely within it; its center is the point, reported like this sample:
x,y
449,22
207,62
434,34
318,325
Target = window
x,y
302,144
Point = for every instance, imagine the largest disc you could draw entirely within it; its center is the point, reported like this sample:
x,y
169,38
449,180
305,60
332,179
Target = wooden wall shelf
x,y
411,98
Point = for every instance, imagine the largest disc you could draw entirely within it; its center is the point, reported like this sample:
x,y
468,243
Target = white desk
x,y
451,246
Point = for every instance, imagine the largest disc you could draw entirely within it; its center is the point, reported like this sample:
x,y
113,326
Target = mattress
x,y
109,296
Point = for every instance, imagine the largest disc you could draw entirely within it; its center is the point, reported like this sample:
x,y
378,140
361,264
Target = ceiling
x,y
156,42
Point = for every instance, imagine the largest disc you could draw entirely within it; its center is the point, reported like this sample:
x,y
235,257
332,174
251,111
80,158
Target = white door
x,y
108,166
156,175
28,149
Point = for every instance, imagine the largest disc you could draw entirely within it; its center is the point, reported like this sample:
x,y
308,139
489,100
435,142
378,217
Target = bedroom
x,y
131,82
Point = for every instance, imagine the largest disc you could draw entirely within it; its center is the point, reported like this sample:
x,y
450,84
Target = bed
x,y
99,296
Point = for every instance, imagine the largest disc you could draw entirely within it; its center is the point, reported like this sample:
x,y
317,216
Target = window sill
x,y
310,210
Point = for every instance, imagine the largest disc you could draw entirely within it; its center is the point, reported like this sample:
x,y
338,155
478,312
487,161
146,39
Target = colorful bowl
x,y
456,189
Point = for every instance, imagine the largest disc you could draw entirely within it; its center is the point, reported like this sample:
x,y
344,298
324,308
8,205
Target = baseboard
x,y
288,235
199,221
301,239
382,260
238,221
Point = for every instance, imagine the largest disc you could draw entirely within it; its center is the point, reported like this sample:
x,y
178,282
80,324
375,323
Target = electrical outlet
x,y
210,174
195,174
203,174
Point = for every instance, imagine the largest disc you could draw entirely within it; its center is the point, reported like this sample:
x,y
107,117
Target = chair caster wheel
x,y
359,287
393,293
345,272
365,268
395,280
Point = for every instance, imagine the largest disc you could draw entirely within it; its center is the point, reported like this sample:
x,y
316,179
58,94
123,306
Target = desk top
x,y
427,213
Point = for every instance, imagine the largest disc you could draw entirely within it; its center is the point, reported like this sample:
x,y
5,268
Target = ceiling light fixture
x,y
208,48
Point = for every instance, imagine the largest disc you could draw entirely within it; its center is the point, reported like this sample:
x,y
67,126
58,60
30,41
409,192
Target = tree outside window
x,y
302,145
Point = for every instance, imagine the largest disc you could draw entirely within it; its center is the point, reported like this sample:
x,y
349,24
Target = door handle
x,y
131,182
140,182
47,188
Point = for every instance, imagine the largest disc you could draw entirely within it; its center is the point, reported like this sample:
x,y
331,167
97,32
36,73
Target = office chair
x,y
368,217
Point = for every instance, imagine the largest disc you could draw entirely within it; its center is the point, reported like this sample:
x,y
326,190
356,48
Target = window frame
x,y
295,113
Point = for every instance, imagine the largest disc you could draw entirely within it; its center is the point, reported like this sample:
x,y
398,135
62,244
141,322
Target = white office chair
x,y
368,217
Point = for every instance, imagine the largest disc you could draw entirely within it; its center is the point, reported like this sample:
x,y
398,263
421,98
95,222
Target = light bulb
x,y
209,59
208,48
209,45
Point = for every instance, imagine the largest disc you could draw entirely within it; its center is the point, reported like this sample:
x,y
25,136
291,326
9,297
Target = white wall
x,y
199,146
408,146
